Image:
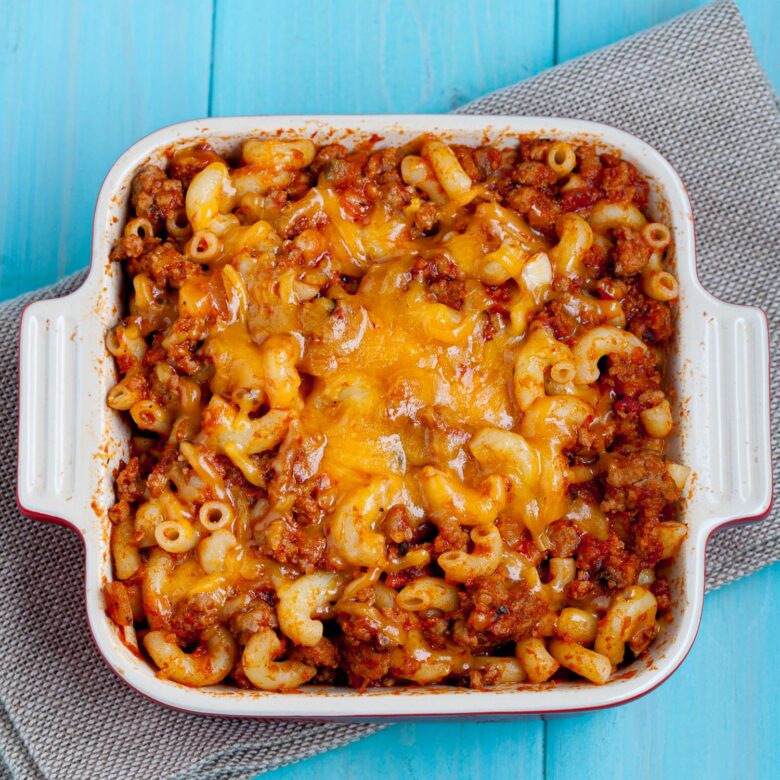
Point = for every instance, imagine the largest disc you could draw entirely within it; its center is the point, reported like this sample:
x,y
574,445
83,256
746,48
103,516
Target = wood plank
x,y
585,25
405,57
350,57
79,83
761,20
716,717
420,751
712,719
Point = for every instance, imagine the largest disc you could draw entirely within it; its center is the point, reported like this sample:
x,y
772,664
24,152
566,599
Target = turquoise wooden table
x,y
80,81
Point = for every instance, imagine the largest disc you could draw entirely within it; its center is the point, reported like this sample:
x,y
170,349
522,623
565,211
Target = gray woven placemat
x,y
691,88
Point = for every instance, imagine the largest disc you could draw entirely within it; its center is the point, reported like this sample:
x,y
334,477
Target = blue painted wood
x,y
716,718
389,57
340,56
81,81
585,25
428,751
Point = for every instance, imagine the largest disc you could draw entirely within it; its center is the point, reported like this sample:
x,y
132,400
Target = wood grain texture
x,y
585,25
711,720
434,751
716,718
341,56
80,81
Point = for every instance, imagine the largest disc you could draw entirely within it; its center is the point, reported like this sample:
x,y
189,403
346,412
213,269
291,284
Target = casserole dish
x,y
70,441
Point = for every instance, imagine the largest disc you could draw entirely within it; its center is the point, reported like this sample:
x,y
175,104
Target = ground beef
x,y
324,654
397,524
645,540
361,659
155,196
304,222
194,614
132,246
394,197
326,156
158,477
301,547
533,174
607,560
539,208
663,594
435,628
570,285
188,162
402,578
564,538
515,533
183,359
638,483
632,253
502,610
534,150
579,199
594,439
653,323
347,171
164,264
465,155
589,165
383,167
310,504
486,677
356,201
489,161
632,374
182,354
480,163
129,485
120,512
295,477
566,320
595,261
501,294
623,183
629,432
426,218
591,491
451,536
260,614
443,279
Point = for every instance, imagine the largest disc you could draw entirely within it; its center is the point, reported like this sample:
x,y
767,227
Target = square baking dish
x,y
70,441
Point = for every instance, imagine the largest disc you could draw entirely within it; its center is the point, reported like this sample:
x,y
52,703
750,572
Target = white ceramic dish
x,y
69,441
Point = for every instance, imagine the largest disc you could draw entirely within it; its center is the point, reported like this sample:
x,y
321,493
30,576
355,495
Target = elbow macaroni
x,y
377,441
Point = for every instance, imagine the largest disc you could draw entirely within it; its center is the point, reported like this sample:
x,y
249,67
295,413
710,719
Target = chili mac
x,y
398,415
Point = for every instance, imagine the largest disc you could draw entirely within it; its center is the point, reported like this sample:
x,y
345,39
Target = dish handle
x,y
732,424
57,383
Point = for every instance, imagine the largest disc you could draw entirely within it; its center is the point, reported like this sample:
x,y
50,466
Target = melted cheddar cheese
x,y
341,384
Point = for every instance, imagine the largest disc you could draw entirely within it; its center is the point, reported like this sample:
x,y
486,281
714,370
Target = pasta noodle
x,y
400,414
